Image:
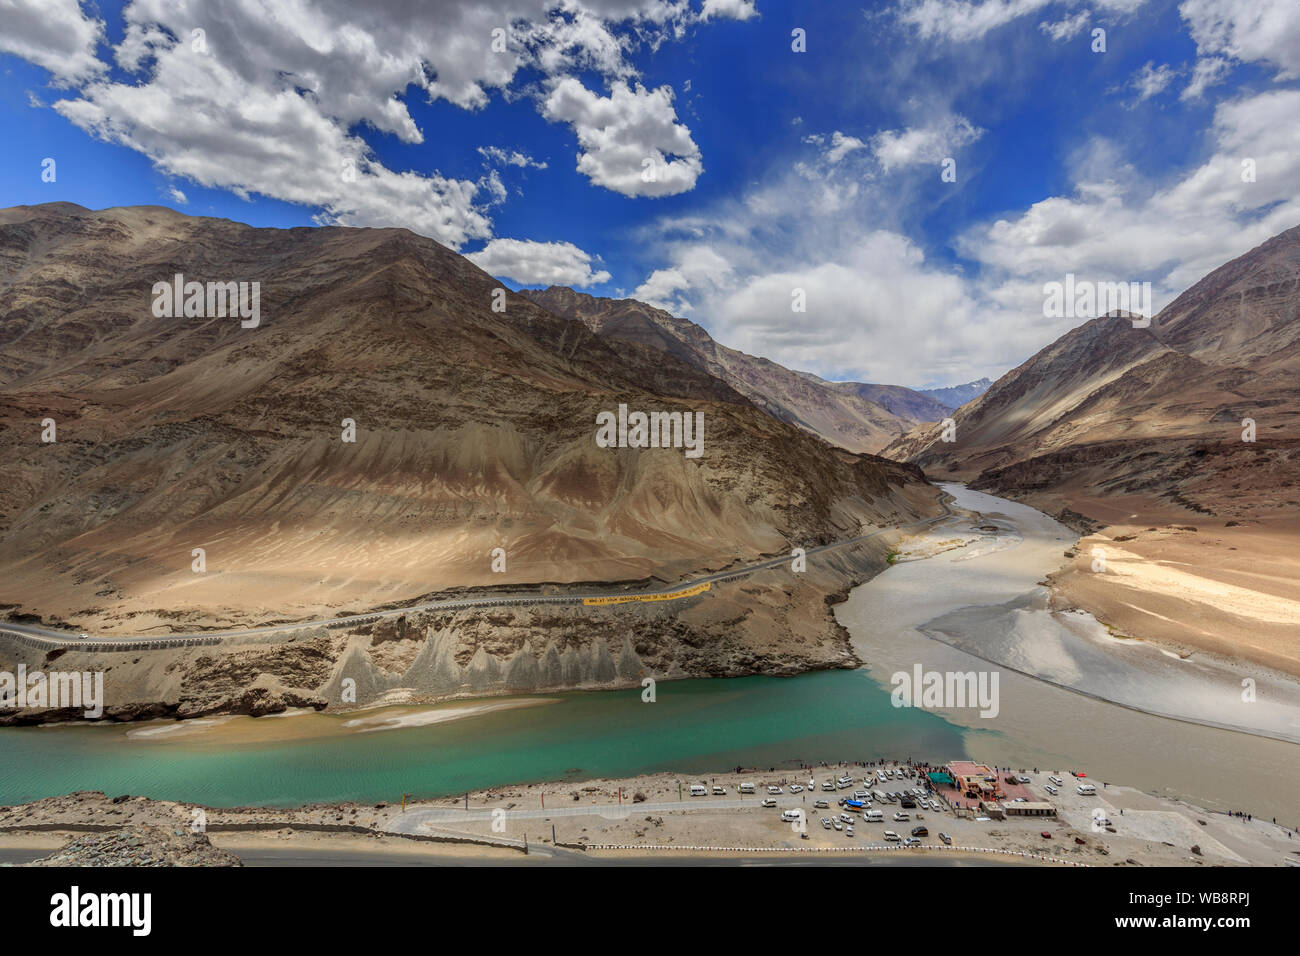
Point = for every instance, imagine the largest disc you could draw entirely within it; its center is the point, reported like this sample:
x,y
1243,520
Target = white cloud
x,y
198,120
923,144
176,196
880,310
54,34
627,138
1068,28
1257,31
842,145
1209,71
269,99
509,157
703,271
1118,228
877,310
1152,80
733,9
961,21
538,263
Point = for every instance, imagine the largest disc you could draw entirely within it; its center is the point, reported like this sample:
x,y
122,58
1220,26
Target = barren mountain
x,y
853,415
474,429
1143,436
1156,410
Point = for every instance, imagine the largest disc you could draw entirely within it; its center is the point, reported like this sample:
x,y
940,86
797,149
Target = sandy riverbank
x,y
972,596
1193,583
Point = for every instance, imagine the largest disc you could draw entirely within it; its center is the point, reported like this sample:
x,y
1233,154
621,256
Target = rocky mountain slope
x,y
474,430
1114,409
1136,437
856,416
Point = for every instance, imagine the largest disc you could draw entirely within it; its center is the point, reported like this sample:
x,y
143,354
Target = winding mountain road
x,y
53,638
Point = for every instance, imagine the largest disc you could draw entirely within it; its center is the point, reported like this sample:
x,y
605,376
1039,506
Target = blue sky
x,y
816,172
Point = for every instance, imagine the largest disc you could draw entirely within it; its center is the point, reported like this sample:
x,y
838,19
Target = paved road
x,y
423,819
538,856
548,856
412,821
55,638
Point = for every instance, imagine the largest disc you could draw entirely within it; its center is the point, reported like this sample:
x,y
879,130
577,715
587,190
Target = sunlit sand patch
x,y
178,728
437,715
291,712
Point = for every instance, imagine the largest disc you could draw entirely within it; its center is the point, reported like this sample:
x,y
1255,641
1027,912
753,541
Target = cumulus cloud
x,y
923,144
879,309
732,9
56,35
538,263
876,308
1261,31
274,99
1114,227
700,270
199,120
630,141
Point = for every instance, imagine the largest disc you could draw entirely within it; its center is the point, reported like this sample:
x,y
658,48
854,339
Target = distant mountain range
x,y
954,396
853,415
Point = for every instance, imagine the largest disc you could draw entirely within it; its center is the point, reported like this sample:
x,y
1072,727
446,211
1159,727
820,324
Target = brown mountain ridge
x,y
474,430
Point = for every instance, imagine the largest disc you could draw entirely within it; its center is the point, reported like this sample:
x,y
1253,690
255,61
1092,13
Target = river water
x,y
914,613
979,608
